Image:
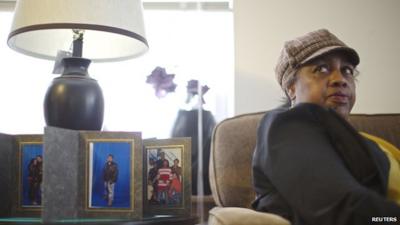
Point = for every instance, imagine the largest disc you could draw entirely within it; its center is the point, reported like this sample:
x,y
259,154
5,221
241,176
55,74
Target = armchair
x,y
232,146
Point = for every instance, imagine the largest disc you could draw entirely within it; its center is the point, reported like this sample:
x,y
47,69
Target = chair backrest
x,y
233,143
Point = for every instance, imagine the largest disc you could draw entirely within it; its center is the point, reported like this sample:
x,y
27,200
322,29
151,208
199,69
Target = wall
x,y
369,26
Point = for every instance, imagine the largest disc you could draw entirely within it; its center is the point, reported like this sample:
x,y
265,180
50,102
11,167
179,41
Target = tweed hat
x,y
301,50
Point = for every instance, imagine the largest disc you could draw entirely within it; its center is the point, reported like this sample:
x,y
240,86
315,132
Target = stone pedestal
x,y
62,174
67,174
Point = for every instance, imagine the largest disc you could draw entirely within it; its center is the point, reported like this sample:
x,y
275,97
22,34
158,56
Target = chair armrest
x,y
240,216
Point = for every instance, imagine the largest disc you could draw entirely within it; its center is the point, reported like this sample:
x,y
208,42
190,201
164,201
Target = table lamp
x,y
95,30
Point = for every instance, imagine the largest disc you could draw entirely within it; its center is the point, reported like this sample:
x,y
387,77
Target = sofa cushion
x,y
386,126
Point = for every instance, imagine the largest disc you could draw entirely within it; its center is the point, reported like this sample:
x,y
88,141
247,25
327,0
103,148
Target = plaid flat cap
x,y
305,48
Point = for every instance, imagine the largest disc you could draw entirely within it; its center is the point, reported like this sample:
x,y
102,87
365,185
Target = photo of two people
x,y
32,175
110,174
164,176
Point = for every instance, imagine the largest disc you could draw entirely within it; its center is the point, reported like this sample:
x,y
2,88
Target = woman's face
x,y
328,81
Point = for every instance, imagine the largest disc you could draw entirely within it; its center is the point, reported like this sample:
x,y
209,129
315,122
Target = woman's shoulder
x,y
304,113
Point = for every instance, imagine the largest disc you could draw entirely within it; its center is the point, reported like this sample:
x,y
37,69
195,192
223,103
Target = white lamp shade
x,y
114,29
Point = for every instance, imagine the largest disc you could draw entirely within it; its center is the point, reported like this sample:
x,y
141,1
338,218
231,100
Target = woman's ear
x,y
291,91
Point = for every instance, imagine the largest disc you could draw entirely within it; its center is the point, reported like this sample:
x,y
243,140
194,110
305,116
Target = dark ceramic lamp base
x,y
74,100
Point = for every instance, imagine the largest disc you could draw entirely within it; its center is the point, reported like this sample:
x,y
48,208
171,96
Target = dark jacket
x,y
35,172
110,172
311,167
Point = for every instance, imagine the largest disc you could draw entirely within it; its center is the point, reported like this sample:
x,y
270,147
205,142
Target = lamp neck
x,y
76,66
77,47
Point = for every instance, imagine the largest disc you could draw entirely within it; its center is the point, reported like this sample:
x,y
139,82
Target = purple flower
x,y
161,81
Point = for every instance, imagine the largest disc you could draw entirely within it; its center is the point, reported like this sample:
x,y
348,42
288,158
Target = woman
x,y
34,179
310,166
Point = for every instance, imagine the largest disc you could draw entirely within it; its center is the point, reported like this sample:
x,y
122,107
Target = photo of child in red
x,y
164,176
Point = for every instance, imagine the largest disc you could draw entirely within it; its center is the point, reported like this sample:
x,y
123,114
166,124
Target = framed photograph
x,y
167,176
30,174
113,174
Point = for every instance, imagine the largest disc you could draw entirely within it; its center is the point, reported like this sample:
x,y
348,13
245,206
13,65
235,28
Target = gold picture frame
x,y
167,177
113,174
29,157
